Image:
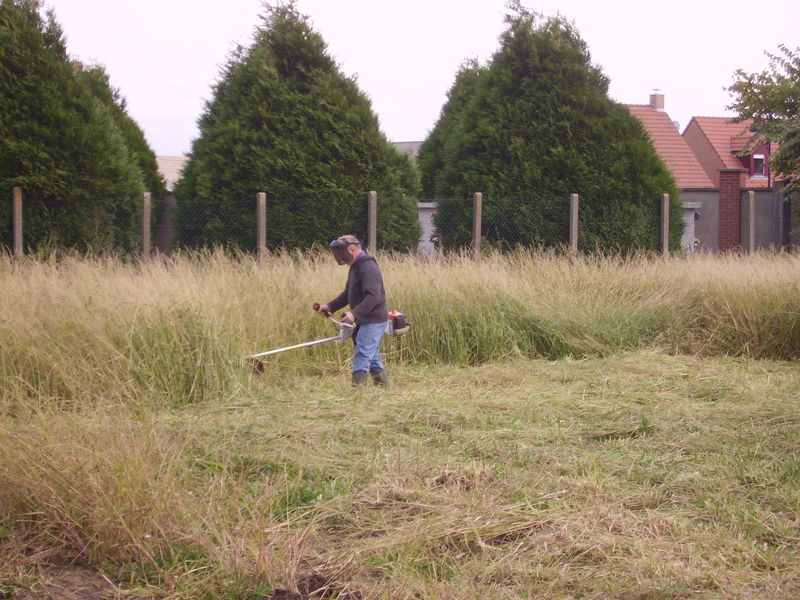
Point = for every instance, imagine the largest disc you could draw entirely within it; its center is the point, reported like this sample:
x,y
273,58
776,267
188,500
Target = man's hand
x,y
323,309
348,317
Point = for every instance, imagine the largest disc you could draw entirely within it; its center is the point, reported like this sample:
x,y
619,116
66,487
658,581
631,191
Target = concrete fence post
x,y
665,225
16,200
751,222
372,223
261,226
146,206
477,217
573,224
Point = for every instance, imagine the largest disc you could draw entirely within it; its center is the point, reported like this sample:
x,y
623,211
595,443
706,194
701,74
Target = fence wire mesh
x,y
620,225
232,223
544,222
290,222
505,222
105,224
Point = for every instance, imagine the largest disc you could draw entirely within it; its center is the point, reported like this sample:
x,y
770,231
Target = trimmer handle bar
x,y
316,307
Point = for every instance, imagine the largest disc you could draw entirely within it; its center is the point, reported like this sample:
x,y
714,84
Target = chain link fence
x,y
234,223
238,224
204,223
108,224
504,223
477,223
567,222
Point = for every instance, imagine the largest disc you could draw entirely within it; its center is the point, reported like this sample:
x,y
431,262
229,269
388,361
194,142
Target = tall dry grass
x,y
83,332
550,306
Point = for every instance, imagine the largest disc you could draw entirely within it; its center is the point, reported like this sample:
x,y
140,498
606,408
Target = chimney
x,y
657,101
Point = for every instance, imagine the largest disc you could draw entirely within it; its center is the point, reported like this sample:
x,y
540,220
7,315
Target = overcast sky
x,y
165,55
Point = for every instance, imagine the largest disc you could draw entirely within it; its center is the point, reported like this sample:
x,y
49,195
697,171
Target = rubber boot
x,y
359,378
380,378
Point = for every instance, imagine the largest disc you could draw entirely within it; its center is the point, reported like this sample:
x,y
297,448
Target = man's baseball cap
x,y
345,241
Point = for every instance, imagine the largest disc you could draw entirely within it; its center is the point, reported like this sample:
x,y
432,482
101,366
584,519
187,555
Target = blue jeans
x,y
368,346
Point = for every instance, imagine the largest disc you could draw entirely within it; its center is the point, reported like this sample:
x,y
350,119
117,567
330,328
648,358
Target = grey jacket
x,y
364,292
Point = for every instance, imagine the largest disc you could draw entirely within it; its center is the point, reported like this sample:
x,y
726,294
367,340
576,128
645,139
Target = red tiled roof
x,y
720,132
672,148
740,142
727,139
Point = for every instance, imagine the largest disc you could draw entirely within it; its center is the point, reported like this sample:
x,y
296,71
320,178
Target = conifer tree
x,y
284,120
431,158
113,107
64,139
534,126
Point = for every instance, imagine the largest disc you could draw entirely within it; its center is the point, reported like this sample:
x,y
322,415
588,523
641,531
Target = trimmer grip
x,y
316,306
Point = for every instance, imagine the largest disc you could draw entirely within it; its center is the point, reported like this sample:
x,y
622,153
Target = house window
x,y
759,166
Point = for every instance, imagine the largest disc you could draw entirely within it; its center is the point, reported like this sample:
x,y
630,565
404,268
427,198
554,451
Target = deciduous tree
x,y
771,99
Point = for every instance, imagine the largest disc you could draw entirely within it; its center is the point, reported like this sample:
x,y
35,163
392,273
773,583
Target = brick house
x,y
717,142
721,146
697,191
715,180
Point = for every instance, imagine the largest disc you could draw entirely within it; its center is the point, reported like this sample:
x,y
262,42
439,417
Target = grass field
x,y
595,428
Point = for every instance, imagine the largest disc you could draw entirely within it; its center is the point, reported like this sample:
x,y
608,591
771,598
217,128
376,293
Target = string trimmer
x,y
397,326
345,333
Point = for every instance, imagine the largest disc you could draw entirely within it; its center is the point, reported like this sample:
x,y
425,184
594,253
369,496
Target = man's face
x,y
347,254
342,255
345,249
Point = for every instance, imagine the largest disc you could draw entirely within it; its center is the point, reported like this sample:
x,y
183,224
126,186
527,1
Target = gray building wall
x,y
772,220
703,207
426,212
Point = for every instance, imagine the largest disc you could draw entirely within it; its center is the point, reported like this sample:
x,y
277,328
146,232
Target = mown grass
x,y
595,428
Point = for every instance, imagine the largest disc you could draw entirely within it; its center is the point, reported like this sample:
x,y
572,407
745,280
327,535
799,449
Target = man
x,y
367,299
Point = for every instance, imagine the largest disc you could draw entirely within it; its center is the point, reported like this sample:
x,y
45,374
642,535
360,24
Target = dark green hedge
x,y
532,127
283,120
